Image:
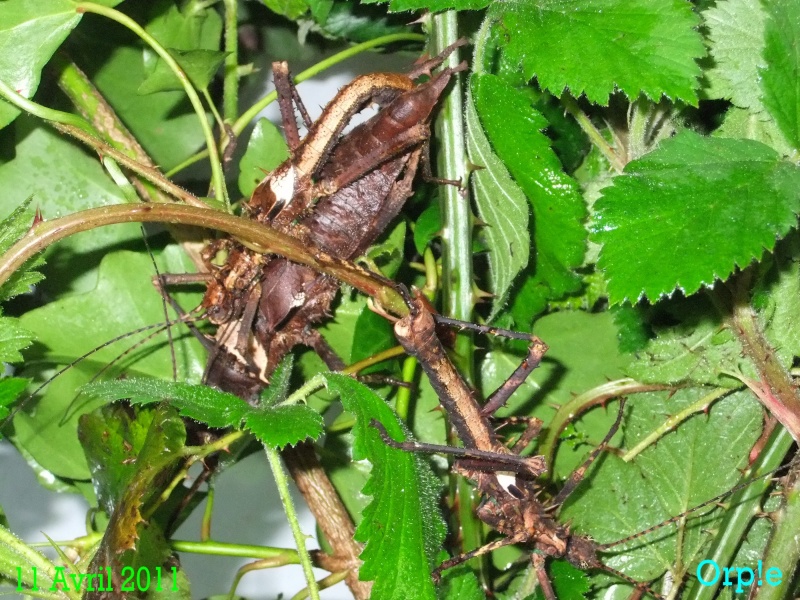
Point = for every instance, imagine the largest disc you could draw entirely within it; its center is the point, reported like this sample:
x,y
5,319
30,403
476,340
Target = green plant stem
x,y
779,395
570,410
323,583
230,81
590,130
288,556
255,235
299,538
673,421
403,402
151,174
744,506
217,177
241,123
783,552
48,114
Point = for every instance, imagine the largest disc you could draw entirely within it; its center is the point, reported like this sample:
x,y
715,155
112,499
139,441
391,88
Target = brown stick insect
x,y
512,503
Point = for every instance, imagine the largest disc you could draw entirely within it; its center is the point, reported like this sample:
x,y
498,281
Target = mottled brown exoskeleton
x,y
337,192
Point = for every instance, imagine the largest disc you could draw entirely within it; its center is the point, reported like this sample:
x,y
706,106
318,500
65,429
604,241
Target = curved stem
x,y
230,81
217,178
255,235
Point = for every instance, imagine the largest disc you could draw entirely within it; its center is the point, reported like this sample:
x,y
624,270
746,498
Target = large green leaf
x,y
266,149
736,33
514,128
30,32
690,212
402,526
594,47
694,463
122,300
779,78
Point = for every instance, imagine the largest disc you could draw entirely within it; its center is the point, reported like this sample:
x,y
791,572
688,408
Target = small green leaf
x,y
636,46
402,526
736,34
569,583
514,128
13,338
266,149
779,78
30,32
281,426
198,402
715,203
12,228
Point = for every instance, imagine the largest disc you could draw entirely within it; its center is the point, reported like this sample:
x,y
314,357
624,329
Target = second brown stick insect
x,y
513,502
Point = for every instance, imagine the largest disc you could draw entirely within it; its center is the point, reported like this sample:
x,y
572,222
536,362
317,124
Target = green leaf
x,y
716,203
359,22
694,463
281,426
198,402
291,9
121,300
12,228
429,224
501,204
200,67
402,526
437,5
736,34
779,78
30,32
112,438
11,388
13,338
266,149
569,583
636,46
694,351
514,128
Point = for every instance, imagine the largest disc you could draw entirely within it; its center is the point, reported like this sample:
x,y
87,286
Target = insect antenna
x,y
159,283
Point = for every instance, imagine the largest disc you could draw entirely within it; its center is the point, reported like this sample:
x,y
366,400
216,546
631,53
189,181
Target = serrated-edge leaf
x,y
13,338
736,33
402,526
199,402
779,78
715,203
596,47
281,426
12,228
502,205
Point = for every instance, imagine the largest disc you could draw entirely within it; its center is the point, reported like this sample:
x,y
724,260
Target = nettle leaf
x,y
428,225
13,338
266,149
291,9
12,228
30,32
273,425
515,130
779,78
402,526
736,33
198,402
715,203
636,46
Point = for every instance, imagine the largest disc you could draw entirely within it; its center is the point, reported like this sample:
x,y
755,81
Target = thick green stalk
x,y
230,84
